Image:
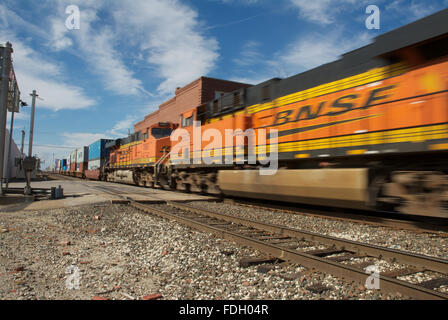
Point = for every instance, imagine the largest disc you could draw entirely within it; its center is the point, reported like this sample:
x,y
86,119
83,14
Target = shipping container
x,y
81,168
98,154
63,165
95,164
82,155
73,161
81,159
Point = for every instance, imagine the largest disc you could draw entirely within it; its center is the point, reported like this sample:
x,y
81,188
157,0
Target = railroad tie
x,y
247,262
434,283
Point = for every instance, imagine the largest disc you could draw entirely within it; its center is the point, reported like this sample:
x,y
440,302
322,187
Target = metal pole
x,y
29,163
33,108
9,150
23,142
6,69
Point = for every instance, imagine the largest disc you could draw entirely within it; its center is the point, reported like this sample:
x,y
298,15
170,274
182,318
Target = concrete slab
x,y
67,202
83,192
70,187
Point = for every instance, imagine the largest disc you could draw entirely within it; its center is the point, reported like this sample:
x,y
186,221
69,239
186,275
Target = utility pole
x,y
33,110
6,69
23,142
29,164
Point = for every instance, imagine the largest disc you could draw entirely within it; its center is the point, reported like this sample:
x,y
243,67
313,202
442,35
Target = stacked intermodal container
x,y
98,155
67,166
63,166
82,158
67,170
73,162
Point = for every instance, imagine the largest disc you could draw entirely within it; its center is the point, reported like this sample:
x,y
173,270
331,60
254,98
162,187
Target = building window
x,y
187,122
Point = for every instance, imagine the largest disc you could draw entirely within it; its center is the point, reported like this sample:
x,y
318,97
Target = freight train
x,y
368,131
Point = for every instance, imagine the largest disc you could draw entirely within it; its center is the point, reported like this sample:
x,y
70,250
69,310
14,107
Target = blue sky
x,y
129,55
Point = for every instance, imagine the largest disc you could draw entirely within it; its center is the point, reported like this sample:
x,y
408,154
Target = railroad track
x,y
56,176
424,225
403,223
291,245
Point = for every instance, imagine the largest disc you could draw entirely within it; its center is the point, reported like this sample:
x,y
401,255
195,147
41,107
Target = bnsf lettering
x,y
340,106
283,117
345,106
306,110
374,96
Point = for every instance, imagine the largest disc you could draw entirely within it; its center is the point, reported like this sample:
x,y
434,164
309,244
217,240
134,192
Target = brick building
x,y
192,95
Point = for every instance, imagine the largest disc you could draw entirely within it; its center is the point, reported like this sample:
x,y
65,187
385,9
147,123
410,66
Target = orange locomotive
x,y
369,130
134,159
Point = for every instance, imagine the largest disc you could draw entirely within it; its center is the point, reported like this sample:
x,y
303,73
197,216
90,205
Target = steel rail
x,y
389,285
400,224
427,262
364,218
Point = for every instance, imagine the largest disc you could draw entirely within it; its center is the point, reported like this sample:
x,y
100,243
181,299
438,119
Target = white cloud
x,y
96,44
302,54
105,61
121,128
59,39
315,11
314,50
74,140
414,10
26,59
241,1
80,139
322,11
10,20
56,95
35,72
250,54
168,33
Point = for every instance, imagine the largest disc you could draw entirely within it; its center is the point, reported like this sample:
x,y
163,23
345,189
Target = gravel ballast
x,y
120,253
430,244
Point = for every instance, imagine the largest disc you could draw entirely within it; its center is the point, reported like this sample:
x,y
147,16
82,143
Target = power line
x,y
50,146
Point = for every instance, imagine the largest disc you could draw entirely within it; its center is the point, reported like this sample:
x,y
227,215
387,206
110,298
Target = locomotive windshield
x,y
161,132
